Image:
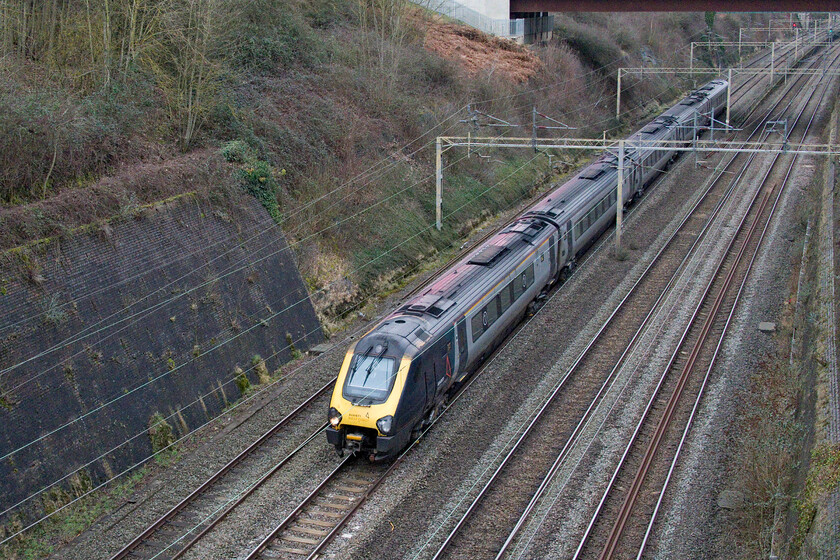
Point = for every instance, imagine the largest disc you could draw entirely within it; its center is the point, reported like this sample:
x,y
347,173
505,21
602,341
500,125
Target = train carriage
x,y
394,380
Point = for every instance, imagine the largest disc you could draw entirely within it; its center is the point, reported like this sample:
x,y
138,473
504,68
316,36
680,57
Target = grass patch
x,y
769,441
823,479
67,523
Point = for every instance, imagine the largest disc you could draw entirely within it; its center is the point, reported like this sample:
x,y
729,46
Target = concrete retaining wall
x,y
132,310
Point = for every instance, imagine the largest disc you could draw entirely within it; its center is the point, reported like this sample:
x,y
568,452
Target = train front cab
x,y
376,414
365,398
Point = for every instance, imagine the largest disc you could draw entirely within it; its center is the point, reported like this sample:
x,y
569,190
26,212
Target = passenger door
x,y
443,354
463,351
413,401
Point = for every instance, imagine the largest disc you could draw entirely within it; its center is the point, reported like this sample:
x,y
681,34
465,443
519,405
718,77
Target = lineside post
x,y
619,204
618,95
772,61
728,97
691,59
438,180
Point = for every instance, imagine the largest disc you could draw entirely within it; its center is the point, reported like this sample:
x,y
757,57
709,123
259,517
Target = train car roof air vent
x,y
528,228
593,171
665,120
421,334
488,255
433,304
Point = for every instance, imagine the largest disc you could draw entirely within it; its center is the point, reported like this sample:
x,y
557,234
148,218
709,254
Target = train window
x,y
477,326
492,311
370,378
462,338
518,287
507,296
529,274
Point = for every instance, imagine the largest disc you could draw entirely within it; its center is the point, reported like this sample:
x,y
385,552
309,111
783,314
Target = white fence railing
x,y
509,28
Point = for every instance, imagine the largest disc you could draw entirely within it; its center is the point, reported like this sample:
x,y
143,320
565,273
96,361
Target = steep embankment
x,y
146,314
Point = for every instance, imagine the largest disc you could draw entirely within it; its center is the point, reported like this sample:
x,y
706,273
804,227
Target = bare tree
x,y
385,29
188,68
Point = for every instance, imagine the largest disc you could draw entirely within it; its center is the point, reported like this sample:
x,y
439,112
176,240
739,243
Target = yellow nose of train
x,y
365,401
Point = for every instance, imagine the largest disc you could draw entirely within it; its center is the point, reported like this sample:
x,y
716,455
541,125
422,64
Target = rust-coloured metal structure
x,y
673,5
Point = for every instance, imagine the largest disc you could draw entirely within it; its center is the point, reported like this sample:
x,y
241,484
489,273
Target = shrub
x,y
242,381
267,33
593,48
262,371
160,432
295,353
235,151
323,14
258,180
433,70
54,313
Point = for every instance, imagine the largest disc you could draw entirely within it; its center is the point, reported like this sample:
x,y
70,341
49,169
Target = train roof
x,y
453,294
457,290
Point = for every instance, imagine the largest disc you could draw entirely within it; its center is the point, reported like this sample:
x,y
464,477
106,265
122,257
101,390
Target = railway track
x,y
642,476
311,525
167,536
318,518
564,415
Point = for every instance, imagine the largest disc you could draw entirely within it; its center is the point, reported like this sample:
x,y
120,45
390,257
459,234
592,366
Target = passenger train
x,y
394,380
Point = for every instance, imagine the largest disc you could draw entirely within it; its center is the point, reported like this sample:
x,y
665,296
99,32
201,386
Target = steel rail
x,y
720,343
537,496
555,467
580,358
242,497
664,423
624,513
577,362
295,512
160,522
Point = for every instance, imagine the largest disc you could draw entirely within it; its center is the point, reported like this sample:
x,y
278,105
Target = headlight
x,y
384,424
334,416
